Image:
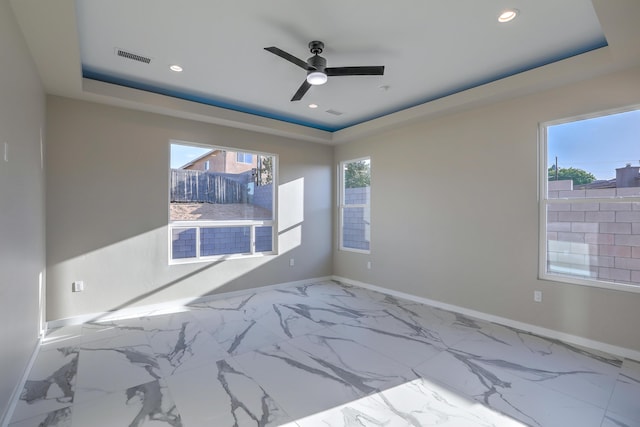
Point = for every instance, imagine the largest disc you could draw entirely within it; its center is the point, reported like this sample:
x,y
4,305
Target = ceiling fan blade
x,y
355,71
301,91
284,55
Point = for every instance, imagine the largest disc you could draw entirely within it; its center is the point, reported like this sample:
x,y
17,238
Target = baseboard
x,y
159,307
13,401
549,333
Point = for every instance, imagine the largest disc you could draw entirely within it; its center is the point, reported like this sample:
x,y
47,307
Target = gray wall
x,y
467,233
22,115
107,210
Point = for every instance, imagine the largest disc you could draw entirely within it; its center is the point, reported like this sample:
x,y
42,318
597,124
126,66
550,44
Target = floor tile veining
x,y
322,354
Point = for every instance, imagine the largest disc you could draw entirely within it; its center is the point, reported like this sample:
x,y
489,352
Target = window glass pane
x,y
224,240
264,239
594,240
183,243
597,157
356,228
228,190
357,182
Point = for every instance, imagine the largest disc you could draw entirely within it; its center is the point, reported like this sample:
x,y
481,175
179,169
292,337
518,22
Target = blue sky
x,y
182,154
597,145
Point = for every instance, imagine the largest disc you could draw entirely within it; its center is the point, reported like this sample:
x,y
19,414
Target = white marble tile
x,y
148,404
318,371
625,401
523,399
114,364
416,403
585,374
100,329
245,335
58,418
221,394
398,345
615,420
179,342
321,354
50,384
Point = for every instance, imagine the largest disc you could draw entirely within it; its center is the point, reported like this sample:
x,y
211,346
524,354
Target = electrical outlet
x,y
6,151
292,262
78,286
537,296
368,265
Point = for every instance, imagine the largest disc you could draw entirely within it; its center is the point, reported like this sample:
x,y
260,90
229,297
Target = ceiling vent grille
x,y
334,112
132,56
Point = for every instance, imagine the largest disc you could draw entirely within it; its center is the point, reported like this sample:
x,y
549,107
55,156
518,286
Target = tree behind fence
x,y
193,186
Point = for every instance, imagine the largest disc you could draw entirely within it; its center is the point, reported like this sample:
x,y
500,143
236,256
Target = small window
x,y
207,165
590,201
244,157
215,214
354,205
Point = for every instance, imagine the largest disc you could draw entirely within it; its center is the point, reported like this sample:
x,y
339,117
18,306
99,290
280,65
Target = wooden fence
x,y
204,187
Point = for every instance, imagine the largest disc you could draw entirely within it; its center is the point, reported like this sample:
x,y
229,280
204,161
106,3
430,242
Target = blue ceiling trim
x,y
95,75
584,49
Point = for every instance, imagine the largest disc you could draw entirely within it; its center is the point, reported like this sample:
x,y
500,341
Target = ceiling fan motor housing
x,y
317,63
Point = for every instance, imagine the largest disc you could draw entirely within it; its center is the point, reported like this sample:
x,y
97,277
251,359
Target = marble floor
x,y
322,354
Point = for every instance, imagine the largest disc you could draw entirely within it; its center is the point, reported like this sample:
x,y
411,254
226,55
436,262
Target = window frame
x,y
200,224
341,205
544,201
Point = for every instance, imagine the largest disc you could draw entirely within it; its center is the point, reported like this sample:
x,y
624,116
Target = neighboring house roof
x,y
198,159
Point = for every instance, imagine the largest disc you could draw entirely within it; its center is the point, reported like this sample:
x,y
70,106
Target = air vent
x,y
132,56
334,112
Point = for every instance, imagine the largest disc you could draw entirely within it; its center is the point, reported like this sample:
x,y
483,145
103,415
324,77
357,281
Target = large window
x,y
220,210
590,200
355,205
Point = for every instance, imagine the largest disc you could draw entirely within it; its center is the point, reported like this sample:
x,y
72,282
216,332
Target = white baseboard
x,y
169,305
13,401
549,333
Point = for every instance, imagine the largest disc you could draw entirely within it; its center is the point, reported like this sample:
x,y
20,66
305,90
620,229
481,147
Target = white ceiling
x,y
431,50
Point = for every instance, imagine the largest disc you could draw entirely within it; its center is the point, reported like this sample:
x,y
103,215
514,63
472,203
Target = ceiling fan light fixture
x,y
316,78
507,15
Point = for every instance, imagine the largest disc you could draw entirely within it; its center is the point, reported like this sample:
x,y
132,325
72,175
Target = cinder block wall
x,y
599,240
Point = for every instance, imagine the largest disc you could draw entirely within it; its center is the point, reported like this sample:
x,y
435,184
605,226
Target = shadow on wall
x,y
134,270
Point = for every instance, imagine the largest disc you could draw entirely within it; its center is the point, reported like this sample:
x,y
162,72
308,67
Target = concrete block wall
x,y
592,239
356,221
219,241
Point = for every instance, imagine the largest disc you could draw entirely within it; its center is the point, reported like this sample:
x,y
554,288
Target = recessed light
x,y
175,68
508,15
313,105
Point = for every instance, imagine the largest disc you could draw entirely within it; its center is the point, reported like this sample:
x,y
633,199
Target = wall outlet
x,y
78,286
6,151
292,262
537,296
368,265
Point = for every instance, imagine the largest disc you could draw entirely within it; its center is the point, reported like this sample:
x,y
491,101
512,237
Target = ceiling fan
x,y
317,70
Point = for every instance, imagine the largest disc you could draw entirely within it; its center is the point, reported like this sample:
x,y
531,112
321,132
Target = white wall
x,y
22,115
107,210
455,213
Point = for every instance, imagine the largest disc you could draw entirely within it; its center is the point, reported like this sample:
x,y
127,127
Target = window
x,y
244,158
219,214
590,201
354,204
207,165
